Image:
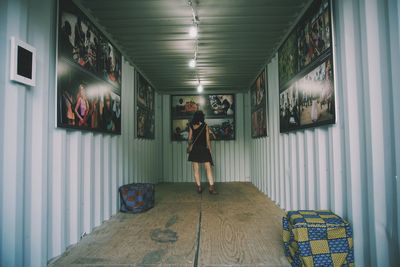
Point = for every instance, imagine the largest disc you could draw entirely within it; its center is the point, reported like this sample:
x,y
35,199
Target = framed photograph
x,y
180,129
79,41
259,107
86,103
222,129
314,33
310,39
23,62
219,105
145,123
258,123
187,105
288,59
310,101
219,110
145,93
145,108
88,74
307,96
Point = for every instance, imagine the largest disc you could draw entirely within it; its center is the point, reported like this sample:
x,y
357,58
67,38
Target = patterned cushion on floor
x,y
317,238
137,197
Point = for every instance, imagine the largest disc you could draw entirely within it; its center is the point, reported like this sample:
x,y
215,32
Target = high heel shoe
x,y
199,189
211,190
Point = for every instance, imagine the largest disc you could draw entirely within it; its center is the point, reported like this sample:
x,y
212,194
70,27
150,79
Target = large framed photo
x,y
309,40
259,101
307,95
145,123
310,101
145,119
219,110
88,74
288,59
79,41
314,33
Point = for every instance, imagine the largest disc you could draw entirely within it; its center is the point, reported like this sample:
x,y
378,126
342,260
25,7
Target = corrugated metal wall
x,y
56,184
231,158
351,167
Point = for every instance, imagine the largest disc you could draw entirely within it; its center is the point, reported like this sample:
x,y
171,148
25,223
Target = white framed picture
x,y
23,62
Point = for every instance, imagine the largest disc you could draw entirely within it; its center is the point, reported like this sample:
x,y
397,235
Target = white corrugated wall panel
x,y
56,184
350,167
230,157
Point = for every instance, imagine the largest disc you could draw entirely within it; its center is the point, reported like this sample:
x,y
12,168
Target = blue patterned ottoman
x,y
317,238
136,197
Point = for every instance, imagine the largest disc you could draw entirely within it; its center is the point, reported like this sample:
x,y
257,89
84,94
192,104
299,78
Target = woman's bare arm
x,y
190,136
208,138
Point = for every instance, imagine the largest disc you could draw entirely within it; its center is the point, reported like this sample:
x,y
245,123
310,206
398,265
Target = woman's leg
x,y
196,171
210,177
211,187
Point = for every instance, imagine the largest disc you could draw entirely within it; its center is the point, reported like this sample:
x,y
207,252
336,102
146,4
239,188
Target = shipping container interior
x,y
59,183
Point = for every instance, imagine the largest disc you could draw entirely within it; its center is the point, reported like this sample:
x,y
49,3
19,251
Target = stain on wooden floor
x,y
238,227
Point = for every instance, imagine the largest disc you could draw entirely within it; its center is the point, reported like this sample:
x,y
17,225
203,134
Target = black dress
x,y
200,153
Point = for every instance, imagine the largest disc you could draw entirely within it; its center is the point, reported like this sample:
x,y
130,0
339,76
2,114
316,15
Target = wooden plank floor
x,y
238,227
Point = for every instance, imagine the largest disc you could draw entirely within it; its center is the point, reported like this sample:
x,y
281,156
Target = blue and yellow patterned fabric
x,y
317,238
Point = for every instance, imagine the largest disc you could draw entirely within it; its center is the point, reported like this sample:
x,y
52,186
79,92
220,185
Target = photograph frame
x,y
293,99
301,42
313,99
217,108
144,102
259,108
86,100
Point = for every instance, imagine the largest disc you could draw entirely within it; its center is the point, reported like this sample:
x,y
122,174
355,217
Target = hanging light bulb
x,y
200,88
192,63
193,31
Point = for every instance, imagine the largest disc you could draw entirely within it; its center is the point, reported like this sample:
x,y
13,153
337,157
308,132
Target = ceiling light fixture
x,y
192,63
193,31
200,88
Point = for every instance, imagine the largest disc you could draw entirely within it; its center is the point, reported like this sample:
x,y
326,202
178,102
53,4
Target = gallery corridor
x,y
295,103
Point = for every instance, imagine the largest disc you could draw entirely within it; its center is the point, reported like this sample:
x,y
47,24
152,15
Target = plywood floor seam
x,y
238,227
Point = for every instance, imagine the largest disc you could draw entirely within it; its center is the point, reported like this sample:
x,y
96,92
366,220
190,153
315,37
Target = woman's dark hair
x,y
198,116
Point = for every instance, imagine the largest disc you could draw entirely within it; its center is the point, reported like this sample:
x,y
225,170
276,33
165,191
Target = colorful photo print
x,y
258,106
79,41
180,129
221,129
85,102
187,105
145,123
289,111
317,96
258,91
145,93
258,123
219,113
219,105
314,32
288,59
145,97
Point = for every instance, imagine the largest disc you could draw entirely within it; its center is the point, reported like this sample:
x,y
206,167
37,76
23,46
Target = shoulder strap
x,y
197,137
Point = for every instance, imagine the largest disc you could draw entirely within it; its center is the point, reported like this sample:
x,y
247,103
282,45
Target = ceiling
x,y
236,38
